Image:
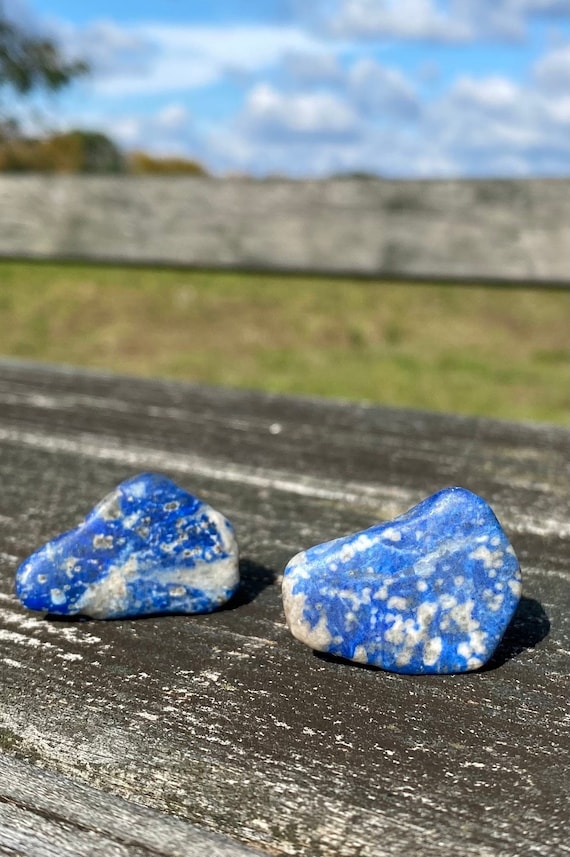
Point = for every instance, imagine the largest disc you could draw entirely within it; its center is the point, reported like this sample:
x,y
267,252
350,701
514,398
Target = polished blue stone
x,y
147,547
429,592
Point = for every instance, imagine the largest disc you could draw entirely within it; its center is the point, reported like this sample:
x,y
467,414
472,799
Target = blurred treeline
x,y
83,152
34,63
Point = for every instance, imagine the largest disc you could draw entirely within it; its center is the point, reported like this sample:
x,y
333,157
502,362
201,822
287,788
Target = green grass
x,y
473,350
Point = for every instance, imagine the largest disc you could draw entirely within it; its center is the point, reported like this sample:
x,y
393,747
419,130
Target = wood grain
x,y
224,721
484,230
44,814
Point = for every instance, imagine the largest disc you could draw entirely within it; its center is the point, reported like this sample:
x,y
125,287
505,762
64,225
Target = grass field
x,y
473,350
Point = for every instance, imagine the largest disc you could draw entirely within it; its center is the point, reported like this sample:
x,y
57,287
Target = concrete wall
x,y
513,230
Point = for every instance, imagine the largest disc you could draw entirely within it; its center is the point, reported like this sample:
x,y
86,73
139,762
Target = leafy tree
x,y
83,152
31,63
73,152
141,162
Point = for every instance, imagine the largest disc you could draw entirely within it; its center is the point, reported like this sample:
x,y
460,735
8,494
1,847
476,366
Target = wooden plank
x,y
487,230
43,814
224,720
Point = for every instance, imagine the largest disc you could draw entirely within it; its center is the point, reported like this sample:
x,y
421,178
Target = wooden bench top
x,y
219,734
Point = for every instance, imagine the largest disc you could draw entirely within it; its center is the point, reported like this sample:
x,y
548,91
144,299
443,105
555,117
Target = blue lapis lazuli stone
x,y
148,547
429,592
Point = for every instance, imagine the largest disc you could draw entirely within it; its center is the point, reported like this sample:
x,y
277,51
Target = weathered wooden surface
x,y
224,721
48,815
510,230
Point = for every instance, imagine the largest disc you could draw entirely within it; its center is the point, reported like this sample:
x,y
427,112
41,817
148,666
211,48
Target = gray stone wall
x,y
507,230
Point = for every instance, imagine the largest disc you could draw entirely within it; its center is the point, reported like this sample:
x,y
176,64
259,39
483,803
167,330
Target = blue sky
x,y
401,88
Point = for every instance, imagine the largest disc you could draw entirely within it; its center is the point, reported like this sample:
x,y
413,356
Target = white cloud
x,y
552,71
271,113
550,8
20,11
454,22
478,126
172,117
385,152
494,126
383,91
557,111
404,19
313,68
500,20
493,93
109,48
186,57
171,130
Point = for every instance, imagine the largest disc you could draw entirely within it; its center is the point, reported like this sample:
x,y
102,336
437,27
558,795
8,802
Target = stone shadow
x,y
528,627
254,578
